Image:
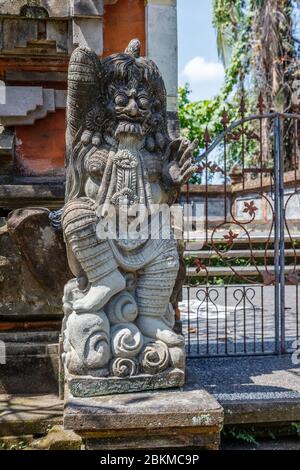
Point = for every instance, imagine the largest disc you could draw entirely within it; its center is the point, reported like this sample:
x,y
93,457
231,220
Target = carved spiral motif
x,y
86,343
124,367
155,358
122,309
126,340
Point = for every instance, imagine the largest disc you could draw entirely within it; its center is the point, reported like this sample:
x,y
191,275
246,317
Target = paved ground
x,y
248,378
263,444
236,319
29,414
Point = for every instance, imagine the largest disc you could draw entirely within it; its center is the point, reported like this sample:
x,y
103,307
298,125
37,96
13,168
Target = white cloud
x,y
205,78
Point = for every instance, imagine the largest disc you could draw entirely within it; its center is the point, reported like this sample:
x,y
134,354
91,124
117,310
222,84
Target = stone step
x,y
29,362
163,419
29,336
29,415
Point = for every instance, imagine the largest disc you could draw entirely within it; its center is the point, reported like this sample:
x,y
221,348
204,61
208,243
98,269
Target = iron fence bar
x,y
279,343
276,233
262,319
188,320
235,124
237,354
281,235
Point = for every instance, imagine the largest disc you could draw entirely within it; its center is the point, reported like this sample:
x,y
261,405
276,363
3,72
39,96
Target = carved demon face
x,y
131,102
132,108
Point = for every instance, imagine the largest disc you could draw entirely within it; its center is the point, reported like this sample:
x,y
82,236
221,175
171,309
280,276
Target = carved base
x,y
87,386
106,353
175,418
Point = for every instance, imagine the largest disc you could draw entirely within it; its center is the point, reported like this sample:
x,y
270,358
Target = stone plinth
x,y
187,417
98,386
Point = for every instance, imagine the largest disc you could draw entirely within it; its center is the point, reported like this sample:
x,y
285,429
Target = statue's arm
x,y
178,164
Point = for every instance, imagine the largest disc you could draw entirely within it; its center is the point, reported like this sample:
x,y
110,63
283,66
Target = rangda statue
x,y
118,324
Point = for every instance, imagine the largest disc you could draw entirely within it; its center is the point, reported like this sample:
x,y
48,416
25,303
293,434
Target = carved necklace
x,y
126,165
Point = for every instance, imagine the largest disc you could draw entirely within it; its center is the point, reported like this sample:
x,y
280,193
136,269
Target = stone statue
x,y
118,324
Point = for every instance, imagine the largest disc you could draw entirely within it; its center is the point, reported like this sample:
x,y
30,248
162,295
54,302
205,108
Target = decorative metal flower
x,y
250,208
230,237
199,265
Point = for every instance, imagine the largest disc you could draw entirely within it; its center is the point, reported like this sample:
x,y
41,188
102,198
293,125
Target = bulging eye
x,y
121,100
143,102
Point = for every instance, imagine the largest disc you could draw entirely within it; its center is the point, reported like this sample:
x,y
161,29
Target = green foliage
x,y
296,427
228,15
196,117
244,435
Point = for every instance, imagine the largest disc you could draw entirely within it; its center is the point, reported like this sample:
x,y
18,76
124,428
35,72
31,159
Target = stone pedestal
x,y
98,386
186,417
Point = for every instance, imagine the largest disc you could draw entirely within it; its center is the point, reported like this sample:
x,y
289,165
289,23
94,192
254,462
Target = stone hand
x,y
178,167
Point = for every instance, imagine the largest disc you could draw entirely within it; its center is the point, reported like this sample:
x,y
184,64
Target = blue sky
x,y
197,52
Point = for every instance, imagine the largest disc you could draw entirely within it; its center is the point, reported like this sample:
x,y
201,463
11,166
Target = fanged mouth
x,y
125,127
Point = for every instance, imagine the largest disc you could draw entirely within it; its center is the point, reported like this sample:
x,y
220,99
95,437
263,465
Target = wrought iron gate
x,y
242,287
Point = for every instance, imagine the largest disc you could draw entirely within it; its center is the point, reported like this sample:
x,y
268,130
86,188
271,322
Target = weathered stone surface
x,y
162,419
121,156
148,410
262,411
53,8
20,294
68,23
58,439
201,438
25,415
42,248
161,30
93,387
7,141
33,266
39,102
88,33
14,196
31,362
19,100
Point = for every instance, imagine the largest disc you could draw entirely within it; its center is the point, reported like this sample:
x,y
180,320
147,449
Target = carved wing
x,y
84,89
84,80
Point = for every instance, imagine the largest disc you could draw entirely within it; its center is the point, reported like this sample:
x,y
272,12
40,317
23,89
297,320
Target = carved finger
x,y
173,148
186,166
188,173
183,147
189,152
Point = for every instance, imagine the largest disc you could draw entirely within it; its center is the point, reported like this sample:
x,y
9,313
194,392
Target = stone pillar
x,y
87,24
161,43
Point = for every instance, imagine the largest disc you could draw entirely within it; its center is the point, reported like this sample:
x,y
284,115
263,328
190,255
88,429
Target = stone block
x,y
13,196
36,103
30,362
54,8
58,31
87,8
58,439
184,417
93,386
41,246
161,33
7,145
17,32
88,33
20,100
27,415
